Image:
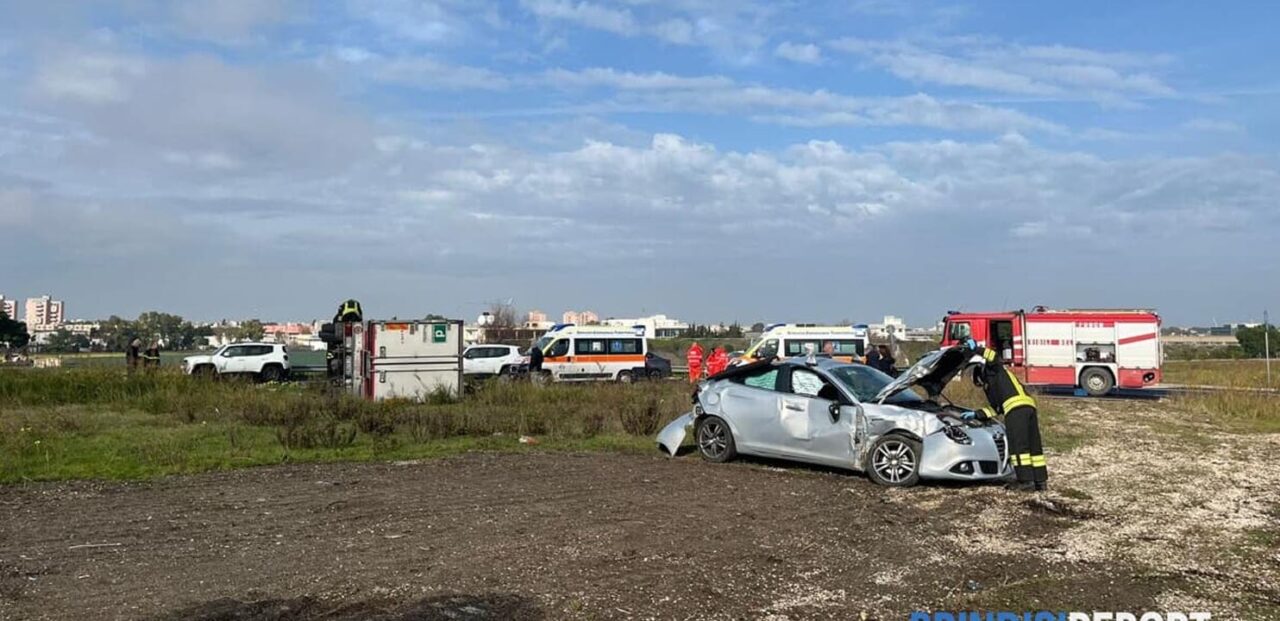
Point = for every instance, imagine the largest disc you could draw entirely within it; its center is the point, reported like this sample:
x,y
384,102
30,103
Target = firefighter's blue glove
x,y
969,415
969,344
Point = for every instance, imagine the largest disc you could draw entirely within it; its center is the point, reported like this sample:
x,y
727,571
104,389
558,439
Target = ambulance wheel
x,y
625,377
1096,382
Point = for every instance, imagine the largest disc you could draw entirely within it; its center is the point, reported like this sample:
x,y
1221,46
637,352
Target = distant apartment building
x,y
655,326
537,320
44,313
583,318
10,308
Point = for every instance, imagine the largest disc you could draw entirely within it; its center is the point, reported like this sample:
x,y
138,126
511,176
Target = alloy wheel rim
x,y
712,439
894,461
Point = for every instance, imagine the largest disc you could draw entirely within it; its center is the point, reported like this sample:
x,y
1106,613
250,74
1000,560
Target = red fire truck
x,y
1096,350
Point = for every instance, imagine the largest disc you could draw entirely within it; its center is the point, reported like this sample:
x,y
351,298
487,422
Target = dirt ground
x,y
1182,519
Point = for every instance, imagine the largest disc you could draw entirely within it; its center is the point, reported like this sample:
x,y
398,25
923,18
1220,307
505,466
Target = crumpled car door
x,y
753,412
831,441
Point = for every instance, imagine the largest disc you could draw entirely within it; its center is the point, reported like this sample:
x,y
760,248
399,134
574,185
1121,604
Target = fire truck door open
x,y
1000,338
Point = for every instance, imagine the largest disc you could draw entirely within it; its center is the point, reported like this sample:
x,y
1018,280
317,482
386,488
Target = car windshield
x,y
543,342
865,383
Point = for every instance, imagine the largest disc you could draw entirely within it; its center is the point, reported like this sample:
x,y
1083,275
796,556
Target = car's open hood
x,y
931,372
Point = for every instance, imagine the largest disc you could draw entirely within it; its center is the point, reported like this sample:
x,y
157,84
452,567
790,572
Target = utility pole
x,y
1266,340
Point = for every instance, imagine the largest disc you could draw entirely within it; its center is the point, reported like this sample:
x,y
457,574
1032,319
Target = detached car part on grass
x,y
821,411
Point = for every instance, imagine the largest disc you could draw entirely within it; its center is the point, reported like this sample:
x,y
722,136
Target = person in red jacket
x,y
717,362
694,358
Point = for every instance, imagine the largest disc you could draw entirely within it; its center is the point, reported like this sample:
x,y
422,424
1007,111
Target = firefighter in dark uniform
x,y
1005,395
348,312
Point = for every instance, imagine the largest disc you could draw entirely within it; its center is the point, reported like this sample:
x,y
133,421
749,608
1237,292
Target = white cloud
x,y
1042,71
1213,126
229,21
90,77
730,30
414,21
717,94
432,74
627,80
799,52
590,15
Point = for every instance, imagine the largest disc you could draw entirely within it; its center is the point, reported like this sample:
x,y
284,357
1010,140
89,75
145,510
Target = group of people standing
x,y
135,356
717,362
881,358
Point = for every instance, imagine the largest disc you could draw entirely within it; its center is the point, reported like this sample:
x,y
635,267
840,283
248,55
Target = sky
x,y
714,161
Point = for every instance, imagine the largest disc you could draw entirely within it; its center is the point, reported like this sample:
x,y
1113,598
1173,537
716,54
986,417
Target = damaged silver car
x,y
822,411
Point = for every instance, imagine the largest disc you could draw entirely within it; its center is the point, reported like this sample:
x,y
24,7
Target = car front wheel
x,y
895,461
715,439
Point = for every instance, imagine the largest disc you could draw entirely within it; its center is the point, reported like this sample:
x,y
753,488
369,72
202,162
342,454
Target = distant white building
x,y
655,326
881,330
44,313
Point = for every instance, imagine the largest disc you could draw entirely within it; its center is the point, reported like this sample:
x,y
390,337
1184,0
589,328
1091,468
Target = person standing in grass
x,y
151,357
717,362
535,363
133,353
694,358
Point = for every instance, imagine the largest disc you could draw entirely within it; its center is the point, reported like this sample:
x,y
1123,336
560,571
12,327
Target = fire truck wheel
x,y
1096,381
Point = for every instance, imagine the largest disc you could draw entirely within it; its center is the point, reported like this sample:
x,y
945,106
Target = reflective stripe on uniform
x,y
1020,400
1017,402
1022,459
989,355
990,413
1037,461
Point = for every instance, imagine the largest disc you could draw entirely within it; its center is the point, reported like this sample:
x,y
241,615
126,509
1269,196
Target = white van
x,y
578,353
845,343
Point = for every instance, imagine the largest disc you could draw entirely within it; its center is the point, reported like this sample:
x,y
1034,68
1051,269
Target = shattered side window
x,y
765,381
806,383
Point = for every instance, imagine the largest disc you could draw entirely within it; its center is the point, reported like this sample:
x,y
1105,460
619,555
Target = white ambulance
x,y
846,343
583,353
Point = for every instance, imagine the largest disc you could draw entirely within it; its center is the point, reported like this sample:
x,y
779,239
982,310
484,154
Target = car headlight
x,y
957,434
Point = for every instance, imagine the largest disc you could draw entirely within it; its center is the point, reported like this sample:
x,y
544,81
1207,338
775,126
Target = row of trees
x,y
1254,340
174,332
702,331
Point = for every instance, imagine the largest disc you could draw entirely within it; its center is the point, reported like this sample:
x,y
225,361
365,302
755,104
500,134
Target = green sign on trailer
x,y
439,333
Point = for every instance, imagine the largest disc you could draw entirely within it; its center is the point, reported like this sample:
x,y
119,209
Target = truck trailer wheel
x,y
1096,381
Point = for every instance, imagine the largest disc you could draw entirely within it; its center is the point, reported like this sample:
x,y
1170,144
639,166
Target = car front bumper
x,y
985,458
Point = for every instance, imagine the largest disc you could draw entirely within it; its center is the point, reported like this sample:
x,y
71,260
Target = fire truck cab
x,y
1095,350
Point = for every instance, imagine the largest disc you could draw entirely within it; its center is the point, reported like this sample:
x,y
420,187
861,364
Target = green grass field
x,y
1235,373
99,422
96,421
